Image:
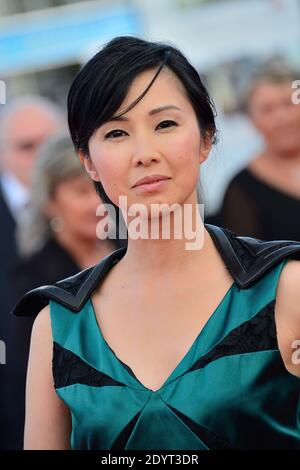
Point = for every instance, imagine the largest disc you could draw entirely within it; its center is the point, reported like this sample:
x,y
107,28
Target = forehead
x,y
166,88
268,91
30,121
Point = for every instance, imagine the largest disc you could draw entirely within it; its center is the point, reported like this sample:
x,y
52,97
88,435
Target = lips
x,y
150,179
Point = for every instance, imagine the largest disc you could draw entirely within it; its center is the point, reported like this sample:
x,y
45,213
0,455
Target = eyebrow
x,y
151,113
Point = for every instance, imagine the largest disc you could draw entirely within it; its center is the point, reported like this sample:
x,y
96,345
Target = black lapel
x,y
71,292
246,259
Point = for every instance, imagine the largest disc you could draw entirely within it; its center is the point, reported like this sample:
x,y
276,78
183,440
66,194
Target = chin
x,y
289,148
88,236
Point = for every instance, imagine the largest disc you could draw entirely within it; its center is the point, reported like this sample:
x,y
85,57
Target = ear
x,y
88,165
205,148
49,210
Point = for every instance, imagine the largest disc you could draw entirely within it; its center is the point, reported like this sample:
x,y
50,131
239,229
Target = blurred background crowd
x,y
246,51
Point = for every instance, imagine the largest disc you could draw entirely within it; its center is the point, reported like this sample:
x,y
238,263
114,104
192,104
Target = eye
x,y
114,134
166,124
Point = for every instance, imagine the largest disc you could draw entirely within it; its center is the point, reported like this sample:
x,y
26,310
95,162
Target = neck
x,y
157,255
288,158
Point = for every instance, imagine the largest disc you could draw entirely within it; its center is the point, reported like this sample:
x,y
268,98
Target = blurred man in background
x,y
25,123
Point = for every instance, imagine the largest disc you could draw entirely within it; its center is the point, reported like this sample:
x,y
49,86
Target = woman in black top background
x,y
263,200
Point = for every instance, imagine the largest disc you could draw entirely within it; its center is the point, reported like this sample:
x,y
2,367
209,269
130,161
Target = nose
x,y
146,160
145,155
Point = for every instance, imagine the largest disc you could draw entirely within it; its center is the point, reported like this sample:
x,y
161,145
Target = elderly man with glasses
x,y
25,123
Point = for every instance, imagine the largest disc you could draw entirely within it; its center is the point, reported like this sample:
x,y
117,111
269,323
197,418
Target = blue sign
x,y
63,36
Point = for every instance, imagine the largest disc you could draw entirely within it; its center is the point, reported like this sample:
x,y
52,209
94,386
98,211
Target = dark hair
x,y
101,86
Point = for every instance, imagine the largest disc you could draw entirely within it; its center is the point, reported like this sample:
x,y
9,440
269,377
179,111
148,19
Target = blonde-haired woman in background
x,y
61,219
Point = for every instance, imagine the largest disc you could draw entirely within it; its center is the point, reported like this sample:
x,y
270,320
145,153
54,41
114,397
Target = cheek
x,y
68,209
264,124
185,158
112,176
186,149
108,167
20,161
108,163
67,203
295,113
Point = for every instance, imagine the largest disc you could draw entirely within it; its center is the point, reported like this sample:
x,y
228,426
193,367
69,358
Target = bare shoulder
x,y
287,314
41,335
288,290
47,422
42,323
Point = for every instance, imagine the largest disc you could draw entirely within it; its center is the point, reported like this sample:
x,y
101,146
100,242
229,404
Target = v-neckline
x,y
180,364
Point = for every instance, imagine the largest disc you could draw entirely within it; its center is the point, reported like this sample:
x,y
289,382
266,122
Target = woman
x,y
263,200
161,346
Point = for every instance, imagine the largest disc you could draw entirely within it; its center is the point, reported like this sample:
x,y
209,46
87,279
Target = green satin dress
x,y
230,390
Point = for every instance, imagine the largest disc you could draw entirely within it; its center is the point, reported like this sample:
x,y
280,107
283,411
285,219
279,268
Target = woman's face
x,y
158,136
75,202
275,116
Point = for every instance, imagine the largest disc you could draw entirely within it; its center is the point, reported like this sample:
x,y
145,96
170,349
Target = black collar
x,y
246,258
